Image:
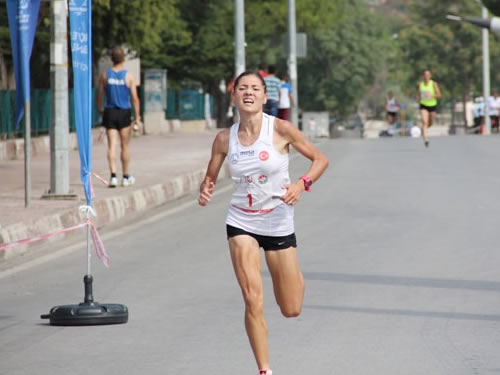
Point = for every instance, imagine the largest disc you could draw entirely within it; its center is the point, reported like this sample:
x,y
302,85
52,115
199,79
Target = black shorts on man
x,y
116,118
266,242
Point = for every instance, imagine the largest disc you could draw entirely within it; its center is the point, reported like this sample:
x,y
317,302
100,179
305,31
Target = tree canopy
x,y
451,49
353,51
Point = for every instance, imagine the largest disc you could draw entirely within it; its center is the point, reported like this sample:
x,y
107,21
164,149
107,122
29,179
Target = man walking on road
x,y
120,87
494,111
286,98
273,92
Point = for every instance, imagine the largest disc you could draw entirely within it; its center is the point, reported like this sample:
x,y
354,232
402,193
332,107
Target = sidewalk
x,y
373,127
166,167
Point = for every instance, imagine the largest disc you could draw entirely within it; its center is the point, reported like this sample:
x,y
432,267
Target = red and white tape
x,y
96,239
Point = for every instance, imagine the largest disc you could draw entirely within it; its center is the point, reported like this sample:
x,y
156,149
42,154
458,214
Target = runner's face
x,y
427,75
249,95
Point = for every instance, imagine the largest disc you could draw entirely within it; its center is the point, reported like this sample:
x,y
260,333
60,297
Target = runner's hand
x,y
206,191
293,192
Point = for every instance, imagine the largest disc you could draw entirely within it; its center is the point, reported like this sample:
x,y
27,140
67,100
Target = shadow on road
x,y
403,312
493,286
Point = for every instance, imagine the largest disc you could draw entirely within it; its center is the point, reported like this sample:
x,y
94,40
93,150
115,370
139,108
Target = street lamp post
x,y
486,73
487,25
292,60
59,149
239,42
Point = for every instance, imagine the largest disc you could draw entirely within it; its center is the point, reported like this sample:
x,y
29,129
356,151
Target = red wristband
x,y
307,182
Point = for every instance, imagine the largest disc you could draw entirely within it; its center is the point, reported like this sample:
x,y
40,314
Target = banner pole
x,y
27,153
89,253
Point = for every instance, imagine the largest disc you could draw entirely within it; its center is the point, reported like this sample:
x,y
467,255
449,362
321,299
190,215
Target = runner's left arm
x,y
320,162
135,98
437,90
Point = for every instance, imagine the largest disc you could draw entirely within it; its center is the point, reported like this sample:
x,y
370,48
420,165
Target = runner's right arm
x,y
219,152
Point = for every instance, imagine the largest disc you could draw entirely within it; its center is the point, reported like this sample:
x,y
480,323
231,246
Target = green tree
x,y
194,40
40,58
451,49
152,29
344,53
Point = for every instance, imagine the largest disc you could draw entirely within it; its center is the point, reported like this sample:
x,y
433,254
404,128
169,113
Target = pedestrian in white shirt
x,y
494,110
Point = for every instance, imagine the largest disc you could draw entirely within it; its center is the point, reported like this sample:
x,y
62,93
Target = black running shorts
x,y
428,108
266,242
116,118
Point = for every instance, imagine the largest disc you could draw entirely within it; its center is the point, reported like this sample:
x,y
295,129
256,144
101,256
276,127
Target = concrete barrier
x,y
316,124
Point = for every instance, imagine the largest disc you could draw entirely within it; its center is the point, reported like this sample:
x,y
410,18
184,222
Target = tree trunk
x,y
4,78
220,105
452,109
464,103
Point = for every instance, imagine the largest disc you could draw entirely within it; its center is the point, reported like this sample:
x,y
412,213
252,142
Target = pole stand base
x,y
87,314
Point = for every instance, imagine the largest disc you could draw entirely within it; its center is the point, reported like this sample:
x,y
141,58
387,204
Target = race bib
x,y
253,193
426,94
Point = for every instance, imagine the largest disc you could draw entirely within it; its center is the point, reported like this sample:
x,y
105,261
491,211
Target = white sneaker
x,y
128,181
113,182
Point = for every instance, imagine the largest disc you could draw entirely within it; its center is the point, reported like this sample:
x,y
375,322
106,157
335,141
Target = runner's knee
x,y
254,300
291,310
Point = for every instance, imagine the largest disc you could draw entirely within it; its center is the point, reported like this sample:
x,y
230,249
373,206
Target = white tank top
x,y
259,172
392,105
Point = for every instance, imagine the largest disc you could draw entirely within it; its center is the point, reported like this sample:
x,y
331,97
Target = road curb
x,y
13,149
109,210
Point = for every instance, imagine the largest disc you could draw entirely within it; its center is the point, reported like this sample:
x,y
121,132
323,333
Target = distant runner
x,y
392,108
427,94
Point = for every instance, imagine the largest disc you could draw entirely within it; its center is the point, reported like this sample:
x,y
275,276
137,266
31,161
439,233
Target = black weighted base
x,y
88,312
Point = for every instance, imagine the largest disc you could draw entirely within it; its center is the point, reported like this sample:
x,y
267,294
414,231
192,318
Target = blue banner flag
x,y
23,16
80,18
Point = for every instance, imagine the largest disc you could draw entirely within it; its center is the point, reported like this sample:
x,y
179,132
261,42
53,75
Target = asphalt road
x,y
398,245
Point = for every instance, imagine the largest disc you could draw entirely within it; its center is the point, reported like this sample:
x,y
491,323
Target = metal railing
x,y
181,104
41,113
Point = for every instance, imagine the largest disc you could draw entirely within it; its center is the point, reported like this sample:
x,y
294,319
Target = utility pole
x,y
239,32
292,60
59,127
486,72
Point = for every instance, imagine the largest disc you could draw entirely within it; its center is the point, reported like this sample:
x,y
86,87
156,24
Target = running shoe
x,y
426,143
129,181
113,182
265,372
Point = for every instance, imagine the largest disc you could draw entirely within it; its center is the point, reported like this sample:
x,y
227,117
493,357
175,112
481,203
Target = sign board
x,y
301,44
155,90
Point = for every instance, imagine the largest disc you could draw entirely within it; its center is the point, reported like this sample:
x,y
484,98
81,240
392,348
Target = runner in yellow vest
x,y
427,94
